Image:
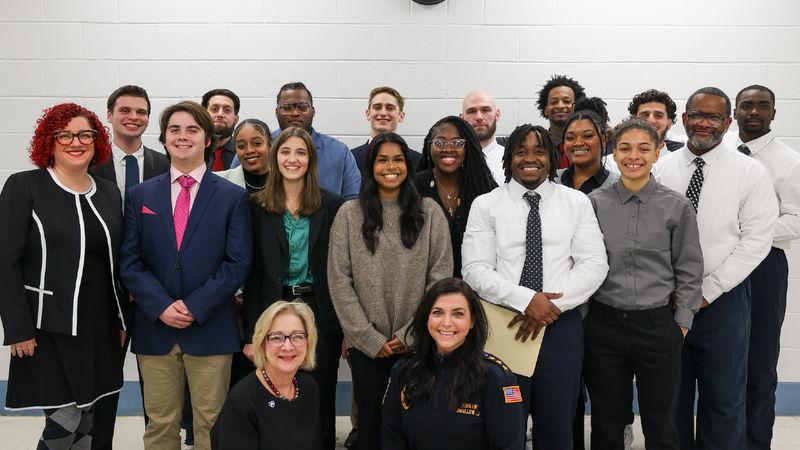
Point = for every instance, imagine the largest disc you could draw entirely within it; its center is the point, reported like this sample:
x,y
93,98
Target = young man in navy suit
x,y
187,249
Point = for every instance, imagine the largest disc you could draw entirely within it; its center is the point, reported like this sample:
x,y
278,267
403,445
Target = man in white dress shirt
x,y
535,247
755,110
481,112
736,213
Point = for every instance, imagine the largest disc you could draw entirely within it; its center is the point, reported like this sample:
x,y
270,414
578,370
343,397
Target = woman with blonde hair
x,y
277,406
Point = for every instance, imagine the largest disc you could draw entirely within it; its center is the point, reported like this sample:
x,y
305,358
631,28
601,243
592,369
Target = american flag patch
x,y
512,394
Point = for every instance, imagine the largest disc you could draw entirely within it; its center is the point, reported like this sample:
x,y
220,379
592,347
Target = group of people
x,y
244,264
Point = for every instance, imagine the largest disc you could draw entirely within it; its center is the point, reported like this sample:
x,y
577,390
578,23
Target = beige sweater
x,y
375,296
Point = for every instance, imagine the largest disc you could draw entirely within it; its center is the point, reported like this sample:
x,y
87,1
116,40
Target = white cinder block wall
x,y
55,50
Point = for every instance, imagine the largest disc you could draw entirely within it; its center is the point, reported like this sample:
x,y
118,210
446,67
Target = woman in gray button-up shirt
x,y
639,316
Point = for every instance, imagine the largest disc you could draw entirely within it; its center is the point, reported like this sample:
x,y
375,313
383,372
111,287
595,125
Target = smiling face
x,y
530,163
448,157
384,113
76,155
286,358
252,149
705,121
221,109
582,144
656,114
293,158
185,141
389,170
129,118
635,154
560,101
449,322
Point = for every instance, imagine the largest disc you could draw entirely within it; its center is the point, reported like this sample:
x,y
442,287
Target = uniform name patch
x,y
512,394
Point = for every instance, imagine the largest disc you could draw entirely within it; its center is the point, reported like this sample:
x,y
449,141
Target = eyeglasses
x,y
278,339
65,137
441,144
287,108
697,117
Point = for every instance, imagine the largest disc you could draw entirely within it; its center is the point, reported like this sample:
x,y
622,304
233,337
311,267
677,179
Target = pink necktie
x,y
181,214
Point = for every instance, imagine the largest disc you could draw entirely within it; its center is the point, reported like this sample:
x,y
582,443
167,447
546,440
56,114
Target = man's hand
x,y
527,327
541,309
177,315
24,348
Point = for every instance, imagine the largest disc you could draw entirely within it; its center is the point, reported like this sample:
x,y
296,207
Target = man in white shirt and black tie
x,y
535,247
755,110
736,213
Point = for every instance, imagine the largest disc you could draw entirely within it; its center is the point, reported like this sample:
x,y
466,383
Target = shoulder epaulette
x,y
497,361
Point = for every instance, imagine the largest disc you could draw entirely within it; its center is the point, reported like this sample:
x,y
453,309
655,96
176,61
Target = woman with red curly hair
x,y
62,308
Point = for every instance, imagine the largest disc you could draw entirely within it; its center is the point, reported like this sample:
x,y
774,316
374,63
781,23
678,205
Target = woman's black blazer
x,y
264,286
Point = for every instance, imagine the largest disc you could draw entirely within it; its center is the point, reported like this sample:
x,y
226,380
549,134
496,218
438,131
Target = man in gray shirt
x,y
638,317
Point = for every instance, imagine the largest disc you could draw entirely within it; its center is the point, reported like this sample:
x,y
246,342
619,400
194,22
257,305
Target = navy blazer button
x,y
177,266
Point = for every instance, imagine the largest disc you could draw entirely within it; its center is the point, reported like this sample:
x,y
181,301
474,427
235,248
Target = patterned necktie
x,y
745,149
131,171
218,164
181,214
532,270
696,183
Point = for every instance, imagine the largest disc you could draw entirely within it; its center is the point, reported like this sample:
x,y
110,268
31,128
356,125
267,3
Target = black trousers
x,y
326,374
620,344
370,378
551,394
768,283
714,371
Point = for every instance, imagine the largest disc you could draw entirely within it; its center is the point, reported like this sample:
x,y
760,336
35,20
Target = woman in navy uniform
x,y
449,393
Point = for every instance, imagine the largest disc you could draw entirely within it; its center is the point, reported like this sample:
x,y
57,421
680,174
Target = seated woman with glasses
x,y
453,172
277,406
62,307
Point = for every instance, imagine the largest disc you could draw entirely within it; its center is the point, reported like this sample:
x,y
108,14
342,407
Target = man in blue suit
x,y
187,249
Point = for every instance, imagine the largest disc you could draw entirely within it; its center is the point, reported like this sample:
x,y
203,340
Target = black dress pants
x,y
326,373
371,377
621,344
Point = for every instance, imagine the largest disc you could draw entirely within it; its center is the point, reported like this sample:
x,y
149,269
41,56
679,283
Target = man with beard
x,y
736,214
482,113
223,105
657,108
535,247
384,113
755,110
556,102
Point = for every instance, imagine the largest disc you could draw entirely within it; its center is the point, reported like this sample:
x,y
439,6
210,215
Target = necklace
x,y
275,388
453,200
254,187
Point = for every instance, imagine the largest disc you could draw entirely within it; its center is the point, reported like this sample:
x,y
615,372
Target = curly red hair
x,y
56,118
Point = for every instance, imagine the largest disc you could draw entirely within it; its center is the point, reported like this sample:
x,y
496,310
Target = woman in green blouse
x,y
292,217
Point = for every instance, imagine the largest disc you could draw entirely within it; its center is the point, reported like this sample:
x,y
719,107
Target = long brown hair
x,y
273,197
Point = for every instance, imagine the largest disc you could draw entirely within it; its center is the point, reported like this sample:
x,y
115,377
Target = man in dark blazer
x,y
186,251
384,113
129,114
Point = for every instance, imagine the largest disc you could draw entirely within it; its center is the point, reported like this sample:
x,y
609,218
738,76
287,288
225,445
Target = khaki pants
x,y
163,376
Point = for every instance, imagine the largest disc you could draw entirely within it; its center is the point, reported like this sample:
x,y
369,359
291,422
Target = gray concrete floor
x,y
23,432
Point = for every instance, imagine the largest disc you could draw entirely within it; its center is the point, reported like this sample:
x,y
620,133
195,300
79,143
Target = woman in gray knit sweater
x,y
387,248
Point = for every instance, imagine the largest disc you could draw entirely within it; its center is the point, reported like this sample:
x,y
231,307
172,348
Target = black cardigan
x,y
264,286
41,260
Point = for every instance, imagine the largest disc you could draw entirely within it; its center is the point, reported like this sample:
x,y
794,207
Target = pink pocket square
x,y
146,210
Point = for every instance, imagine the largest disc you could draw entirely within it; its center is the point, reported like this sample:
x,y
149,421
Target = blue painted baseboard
x,y
130,401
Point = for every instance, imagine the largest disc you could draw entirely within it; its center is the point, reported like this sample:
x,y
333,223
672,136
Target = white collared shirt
x,y
175,188
736,212
573,253
494,159
783,166
117,156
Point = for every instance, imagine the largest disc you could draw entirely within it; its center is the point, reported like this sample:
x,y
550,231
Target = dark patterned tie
x,y
532,270
744,149
696,183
